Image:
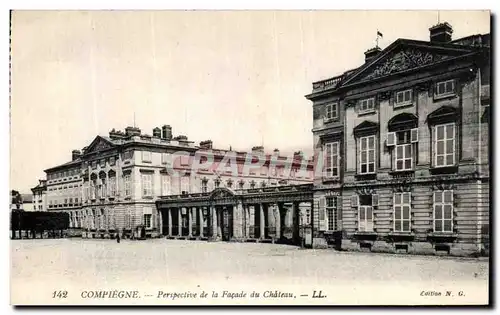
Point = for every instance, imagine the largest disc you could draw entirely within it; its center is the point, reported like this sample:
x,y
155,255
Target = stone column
x,y
238,220
190,222
277,211
296,221
262,221
169,210
247,221
179,221
200,223
220,219
213,214
160,218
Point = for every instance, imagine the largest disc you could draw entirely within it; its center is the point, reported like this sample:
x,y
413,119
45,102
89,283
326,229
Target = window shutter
x,y
434,195
354,200
391,139
414,135
322,214
375,200
434,145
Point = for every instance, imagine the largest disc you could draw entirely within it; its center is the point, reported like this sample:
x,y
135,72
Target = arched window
x,y
402,141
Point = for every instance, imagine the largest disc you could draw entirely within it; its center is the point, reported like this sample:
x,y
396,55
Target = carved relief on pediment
x,y
402,60
99,145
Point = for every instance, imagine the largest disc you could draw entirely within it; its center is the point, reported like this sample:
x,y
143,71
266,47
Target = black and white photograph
x,y
250,157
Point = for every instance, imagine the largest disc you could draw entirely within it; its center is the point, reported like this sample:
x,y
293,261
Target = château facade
x,y
112,185
405,142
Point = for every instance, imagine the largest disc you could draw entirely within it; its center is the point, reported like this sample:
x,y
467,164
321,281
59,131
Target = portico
x,y
252,215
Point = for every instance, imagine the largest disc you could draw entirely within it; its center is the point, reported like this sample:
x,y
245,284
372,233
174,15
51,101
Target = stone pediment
x,y
402,56
99,144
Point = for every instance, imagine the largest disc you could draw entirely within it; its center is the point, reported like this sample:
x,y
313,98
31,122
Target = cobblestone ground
x,y
97,263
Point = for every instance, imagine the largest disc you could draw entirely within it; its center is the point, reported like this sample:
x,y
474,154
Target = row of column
x,y
266,220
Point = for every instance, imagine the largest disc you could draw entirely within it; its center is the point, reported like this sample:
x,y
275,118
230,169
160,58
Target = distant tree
x,y
17,199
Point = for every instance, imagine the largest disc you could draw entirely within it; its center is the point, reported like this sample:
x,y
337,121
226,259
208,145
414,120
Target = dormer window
x,y
367,105
445,88
332,111
403,98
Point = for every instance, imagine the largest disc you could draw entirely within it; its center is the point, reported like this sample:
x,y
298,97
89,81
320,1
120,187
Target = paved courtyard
x,y
66,263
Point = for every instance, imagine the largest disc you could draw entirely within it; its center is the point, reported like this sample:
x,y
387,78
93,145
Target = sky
x,y
237,78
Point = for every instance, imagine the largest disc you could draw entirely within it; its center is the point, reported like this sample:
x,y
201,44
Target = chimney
x,y
157,132
75,154
258,149
441,33
207,144
166,132
370,54
132,131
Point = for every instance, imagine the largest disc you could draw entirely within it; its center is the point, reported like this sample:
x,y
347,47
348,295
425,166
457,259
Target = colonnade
x,y
257,221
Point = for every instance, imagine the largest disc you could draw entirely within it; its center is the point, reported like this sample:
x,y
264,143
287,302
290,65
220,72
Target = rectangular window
x,y
402,212
112,186
126,185
443,211
147,184
165,185
367,105
403,151
444,145
146,156
367,155
184,185
331,208
94,164
147,221
204,186
102,162
445,88
164,158
331,158
112,161
403,98
332,111
365,212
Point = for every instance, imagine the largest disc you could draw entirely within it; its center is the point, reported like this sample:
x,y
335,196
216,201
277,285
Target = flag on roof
x,y
379,34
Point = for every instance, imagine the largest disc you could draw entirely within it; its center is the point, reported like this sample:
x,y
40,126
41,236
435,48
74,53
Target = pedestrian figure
x,y
118,237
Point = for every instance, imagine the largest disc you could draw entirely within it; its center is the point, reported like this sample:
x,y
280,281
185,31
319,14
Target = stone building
x,y
40,196
113,183
405,142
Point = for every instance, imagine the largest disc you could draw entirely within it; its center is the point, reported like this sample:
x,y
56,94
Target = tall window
x,y
367,155
443,211
112,186
331,207
146,156
147,185
165,185
185,185
204,185
241,184
402,212
164,158
332,111
331,151
112,161
148,221
126,184
445,88
403,98
444,145
217,183
403,152
365,205
367,105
